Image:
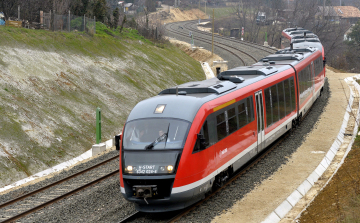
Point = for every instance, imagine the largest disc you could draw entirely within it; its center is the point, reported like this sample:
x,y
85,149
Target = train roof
x,y
306,44
301,36
293,29
305,40
184,101
299,32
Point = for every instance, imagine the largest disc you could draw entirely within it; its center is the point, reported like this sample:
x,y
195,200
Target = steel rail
x,y
130,217
247,43
199,38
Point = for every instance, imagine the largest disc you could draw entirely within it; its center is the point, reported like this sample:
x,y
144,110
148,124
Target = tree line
x,y
303,13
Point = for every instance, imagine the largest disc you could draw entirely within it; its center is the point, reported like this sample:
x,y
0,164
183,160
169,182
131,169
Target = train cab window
x,y
205,132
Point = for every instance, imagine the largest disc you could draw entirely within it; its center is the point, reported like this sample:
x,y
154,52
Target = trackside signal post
x,y
98,125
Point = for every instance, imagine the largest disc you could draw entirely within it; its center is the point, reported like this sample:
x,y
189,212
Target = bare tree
x,y
61,6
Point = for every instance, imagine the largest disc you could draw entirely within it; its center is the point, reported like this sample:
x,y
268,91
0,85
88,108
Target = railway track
x,y
193,27
33,201
241,53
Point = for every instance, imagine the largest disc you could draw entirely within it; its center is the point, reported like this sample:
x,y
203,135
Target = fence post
x,y
84,23
18,12
94,25
54,21
50,23
69,22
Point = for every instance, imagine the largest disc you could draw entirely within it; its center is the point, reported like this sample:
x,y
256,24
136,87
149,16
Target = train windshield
x,y
155,134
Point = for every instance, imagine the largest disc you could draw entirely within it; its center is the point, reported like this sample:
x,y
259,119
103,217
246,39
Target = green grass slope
x,y
51,84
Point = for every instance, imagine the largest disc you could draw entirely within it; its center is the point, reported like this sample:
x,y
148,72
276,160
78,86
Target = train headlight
x,y
170,168
166,169
129,169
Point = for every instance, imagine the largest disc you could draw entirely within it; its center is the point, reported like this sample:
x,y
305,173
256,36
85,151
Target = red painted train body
x,y
177,146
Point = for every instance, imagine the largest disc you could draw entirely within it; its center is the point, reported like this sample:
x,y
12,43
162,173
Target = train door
x,y
260,121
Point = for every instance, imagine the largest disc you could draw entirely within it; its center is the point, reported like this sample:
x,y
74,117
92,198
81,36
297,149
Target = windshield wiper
x,y
161,138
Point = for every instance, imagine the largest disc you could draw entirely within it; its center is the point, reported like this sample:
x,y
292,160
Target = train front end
x,y
152,144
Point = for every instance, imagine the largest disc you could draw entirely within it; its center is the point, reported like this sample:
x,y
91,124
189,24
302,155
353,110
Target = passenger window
x,y
275,104
242,115
280,100
249,109
293,98
287,96
221,126
282,106
232,120
268,107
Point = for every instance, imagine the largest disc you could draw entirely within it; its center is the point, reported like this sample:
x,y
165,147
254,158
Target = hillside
x,y
51,84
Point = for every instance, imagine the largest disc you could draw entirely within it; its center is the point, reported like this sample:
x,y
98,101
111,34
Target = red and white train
x,y
177,146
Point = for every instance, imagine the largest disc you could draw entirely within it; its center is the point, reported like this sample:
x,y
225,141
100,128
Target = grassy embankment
x,y
52,82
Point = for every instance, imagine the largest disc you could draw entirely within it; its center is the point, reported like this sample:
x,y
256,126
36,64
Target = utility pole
x,y
205,7
212,41
98,125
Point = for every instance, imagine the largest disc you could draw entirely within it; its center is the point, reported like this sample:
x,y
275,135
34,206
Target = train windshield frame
x,y
155,134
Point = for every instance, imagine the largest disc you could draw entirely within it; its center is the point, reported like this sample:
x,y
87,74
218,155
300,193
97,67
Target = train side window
x,y
275,103
293,98
268,106
287,96
242,114
281,95
301,81
232,122
309,79
221,126
319,65
250,109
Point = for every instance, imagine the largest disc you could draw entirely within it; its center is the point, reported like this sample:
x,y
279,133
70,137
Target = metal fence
x,y
68,23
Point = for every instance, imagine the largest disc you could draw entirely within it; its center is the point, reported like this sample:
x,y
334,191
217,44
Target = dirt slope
x,y
48,97
176,15
201,55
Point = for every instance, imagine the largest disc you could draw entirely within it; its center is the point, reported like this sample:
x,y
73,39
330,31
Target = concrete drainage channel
x,y
302,197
